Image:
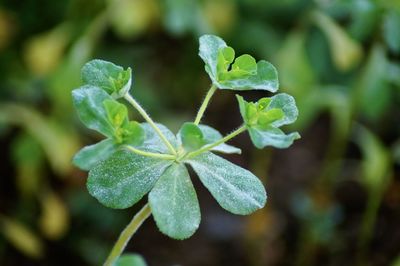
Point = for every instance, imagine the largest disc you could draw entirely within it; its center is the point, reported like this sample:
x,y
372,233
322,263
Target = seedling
x,y
139,158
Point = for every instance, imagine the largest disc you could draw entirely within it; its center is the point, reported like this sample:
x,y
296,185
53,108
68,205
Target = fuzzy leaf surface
x,y
212,135
236,189
89,156
88,102
174,203
124,178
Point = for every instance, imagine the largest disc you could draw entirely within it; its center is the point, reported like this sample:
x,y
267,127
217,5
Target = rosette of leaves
x,y
241,73
137,159
264,118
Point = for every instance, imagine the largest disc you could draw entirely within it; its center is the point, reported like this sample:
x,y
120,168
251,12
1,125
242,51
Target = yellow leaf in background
x,y
130,18
346,52
7,28
220,14
21,237
54,219
44,52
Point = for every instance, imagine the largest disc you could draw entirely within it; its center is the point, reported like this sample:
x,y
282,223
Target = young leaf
x,y
272,136
244,75
174,203
124,178
117,113
211,135
153,142
236,189
112,78
130,259
191,137
89,156
133,134
264,117
88,102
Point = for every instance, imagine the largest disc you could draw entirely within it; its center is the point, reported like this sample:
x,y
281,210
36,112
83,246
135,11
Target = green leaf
x,y
112,78
236,189
174,203
211,135
133,134
89,156
153,142
117,113
124,178
244,75
287,104
130,259
271,136
88,102
191,136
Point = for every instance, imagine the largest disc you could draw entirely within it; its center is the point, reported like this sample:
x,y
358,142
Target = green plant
x,y
138,158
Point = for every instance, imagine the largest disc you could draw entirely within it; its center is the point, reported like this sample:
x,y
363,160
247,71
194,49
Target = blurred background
x,y
334,196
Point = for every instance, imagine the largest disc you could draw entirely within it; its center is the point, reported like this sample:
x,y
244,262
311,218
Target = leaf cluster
x,y
136,159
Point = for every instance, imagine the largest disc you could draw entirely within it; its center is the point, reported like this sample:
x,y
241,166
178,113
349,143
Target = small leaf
x,y
272,136
236,189
245,75
153,142
212,135
124,178
287,104
130,259
191,137
89,156
117,113
174,203
88,102
112,78
133,134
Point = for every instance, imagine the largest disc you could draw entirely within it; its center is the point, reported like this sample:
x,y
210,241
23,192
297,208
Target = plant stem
x,y
150,154
218,142
126,235
203,106
139,108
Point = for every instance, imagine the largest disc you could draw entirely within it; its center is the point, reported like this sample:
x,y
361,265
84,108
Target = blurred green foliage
x,y
339,59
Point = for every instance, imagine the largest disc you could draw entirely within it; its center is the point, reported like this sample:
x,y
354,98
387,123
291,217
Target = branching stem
x,y
218,142
204,105
150,154
139,108
126,235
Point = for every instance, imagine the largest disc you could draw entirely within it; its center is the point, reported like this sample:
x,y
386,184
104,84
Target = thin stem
x,y
150,154
139,108
126,235
218,142
203,106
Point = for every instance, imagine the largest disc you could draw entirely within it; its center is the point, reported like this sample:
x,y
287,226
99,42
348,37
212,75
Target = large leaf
x,y
272,136
391,30
124,178
236,189
112,78
88,102
153,142
174,204
89,156
214,52
287,104
212,135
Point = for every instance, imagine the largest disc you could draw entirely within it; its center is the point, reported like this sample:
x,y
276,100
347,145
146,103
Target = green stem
x,y
126,235
218,142
150,154
139,108
203,106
